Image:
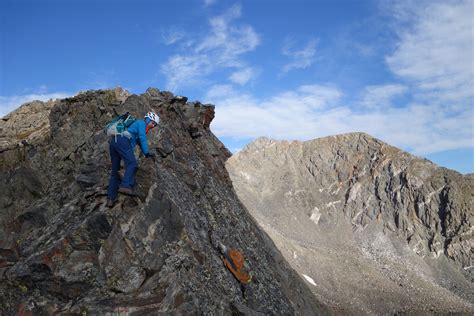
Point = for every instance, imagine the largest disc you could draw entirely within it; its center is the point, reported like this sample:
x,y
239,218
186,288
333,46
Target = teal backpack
x,y
119,125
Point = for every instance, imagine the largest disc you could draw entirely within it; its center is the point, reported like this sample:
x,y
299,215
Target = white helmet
x,y
152,116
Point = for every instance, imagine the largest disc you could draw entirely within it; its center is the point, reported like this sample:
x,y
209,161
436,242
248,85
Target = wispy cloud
x,y
208,3
243,76
221,48
10,103
435,51
172,35
220,91
381,96
299,58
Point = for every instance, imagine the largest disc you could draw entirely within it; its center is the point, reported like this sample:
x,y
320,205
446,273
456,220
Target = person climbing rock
x,y
121,146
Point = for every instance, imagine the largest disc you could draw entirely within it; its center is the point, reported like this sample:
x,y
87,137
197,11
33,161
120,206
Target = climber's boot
x,y
126,191
110,203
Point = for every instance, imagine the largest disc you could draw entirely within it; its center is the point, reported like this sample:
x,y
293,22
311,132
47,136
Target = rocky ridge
x,y
63,252
364,220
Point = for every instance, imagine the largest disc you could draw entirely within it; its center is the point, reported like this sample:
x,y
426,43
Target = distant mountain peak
x,y
350,205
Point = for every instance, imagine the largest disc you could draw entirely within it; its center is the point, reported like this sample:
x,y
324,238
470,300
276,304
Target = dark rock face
x,y
63,252
376,229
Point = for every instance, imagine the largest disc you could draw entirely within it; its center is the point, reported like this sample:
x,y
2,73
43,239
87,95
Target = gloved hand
x,y
150,155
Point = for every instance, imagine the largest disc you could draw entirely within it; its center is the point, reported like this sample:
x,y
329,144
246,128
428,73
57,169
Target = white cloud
x,y
243,76
300,59
185,69
381,96
314,111
220,91
10,103
221,48
286,115
435,51
208,3
172,35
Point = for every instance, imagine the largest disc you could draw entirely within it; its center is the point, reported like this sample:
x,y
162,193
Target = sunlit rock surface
x,y
371,228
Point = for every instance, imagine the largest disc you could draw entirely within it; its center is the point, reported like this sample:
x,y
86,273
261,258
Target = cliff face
x,y
377,229
62,251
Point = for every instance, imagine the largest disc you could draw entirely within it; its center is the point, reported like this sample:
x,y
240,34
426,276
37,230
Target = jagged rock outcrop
x,y
63,252
377,230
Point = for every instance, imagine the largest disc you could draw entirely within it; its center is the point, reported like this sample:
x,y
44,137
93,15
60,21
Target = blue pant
x,y
120,148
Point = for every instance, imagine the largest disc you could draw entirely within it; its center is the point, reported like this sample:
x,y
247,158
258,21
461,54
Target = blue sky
x,y
401,71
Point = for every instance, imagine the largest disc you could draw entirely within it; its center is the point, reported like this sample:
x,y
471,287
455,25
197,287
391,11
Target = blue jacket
x,y
138,132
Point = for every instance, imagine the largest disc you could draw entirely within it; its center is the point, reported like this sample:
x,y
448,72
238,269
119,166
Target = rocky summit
x,y
374,230
63,252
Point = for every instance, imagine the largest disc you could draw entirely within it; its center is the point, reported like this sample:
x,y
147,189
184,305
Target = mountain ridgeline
x,y
375,229
62,252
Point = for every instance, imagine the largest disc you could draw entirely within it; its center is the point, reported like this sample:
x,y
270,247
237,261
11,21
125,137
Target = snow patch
x,y
315,215
310,280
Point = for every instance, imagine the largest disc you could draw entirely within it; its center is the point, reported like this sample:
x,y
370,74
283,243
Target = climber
x,y
122,146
